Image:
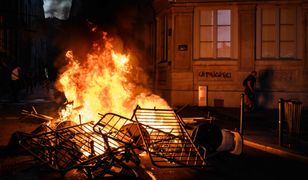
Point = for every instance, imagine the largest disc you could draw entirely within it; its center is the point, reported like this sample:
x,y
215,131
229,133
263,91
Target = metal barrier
x,y
160,132
79,147
290,112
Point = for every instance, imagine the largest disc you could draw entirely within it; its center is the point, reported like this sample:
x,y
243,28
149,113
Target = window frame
x,y
278,24
233,33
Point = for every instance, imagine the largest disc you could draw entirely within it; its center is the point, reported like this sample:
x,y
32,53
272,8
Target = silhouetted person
x,y
15,82
46,83
29,82
249,84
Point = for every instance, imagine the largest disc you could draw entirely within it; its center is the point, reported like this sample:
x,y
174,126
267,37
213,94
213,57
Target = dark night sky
x,y
108,11
122,18
101,12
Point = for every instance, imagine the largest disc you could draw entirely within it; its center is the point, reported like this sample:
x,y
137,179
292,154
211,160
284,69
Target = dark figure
x,y
249,84
15,82
29,82
46,82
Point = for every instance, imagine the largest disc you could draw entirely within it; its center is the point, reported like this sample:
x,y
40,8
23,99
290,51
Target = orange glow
x,y
102,83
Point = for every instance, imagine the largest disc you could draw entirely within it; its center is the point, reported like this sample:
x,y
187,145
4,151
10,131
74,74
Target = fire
x,y
102,83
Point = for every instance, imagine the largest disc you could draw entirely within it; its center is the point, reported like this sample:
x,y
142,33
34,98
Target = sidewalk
x,y
260,129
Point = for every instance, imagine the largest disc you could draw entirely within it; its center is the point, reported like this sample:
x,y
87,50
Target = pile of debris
x,y
109,146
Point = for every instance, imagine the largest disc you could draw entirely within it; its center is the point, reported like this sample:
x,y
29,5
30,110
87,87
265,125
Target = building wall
x,y
23,41
262,38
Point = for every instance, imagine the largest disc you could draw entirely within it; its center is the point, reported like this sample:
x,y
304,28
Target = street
x,y
252,164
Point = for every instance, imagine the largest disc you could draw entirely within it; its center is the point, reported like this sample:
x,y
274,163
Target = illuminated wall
x,y
218,43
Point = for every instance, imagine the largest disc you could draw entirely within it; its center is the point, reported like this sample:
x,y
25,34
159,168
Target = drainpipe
x,y
280,138
242,114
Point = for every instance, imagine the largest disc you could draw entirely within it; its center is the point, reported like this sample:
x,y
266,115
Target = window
x,y
215,33
277,33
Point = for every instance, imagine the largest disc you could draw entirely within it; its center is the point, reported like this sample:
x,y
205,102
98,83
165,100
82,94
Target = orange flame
x,y
101,84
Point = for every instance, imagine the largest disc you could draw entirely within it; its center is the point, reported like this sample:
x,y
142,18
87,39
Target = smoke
x,y
57,8
126,22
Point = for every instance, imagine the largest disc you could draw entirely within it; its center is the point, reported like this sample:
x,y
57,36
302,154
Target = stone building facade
x,y
205,48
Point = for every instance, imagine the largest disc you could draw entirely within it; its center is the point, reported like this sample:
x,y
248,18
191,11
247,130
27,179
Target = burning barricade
x,y
104,148
101,145
98,149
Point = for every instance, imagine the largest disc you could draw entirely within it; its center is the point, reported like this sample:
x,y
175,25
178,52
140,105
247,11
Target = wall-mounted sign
x,y
182,47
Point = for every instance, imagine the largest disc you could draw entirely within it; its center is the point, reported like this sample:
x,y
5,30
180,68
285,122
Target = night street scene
x,y
153,89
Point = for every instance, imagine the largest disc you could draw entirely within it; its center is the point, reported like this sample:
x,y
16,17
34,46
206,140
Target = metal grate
x,y
167,141
122,130
100,148
157,131
79,147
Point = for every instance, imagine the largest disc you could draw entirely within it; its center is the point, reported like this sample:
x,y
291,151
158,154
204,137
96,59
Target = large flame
x,y
102,83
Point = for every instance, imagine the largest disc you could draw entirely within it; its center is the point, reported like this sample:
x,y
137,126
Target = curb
x,y
275,151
